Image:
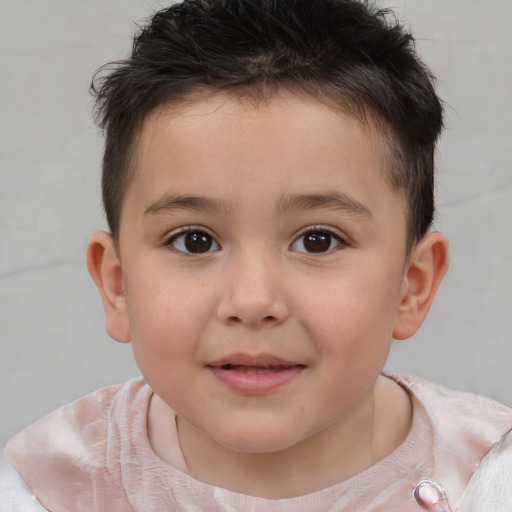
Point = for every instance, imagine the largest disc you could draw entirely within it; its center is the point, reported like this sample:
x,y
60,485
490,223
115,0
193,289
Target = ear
x,y
105,269
426,268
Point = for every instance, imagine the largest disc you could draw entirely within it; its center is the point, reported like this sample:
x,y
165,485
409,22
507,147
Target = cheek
x,y
352,318
166,320
164,343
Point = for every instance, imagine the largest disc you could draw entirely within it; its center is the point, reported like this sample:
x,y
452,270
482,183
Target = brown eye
x,y
198,242
316,242
194,242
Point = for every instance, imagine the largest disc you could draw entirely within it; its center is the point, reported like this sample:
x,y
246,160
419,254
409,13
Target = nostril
x,y
251,310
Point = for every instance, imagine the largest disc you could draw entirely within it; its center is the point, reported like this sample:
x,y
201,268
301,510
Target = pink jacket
x,y
93,455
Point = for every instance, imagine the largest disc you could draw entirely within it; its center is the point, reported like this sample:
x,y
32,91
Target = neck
x,y
338,452
300,469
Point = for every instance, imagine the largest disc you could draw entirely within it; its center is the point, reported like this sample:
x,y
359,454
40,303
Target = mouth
x,y
255,369
255,375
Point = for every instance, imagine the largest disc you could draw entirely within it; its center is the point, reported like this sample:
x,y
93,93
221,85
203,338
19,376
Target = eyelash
x,y
213,246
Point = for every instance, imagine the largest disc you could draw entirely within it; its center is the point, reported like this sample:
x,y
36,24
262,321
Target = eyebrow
x,y
328,200
171,203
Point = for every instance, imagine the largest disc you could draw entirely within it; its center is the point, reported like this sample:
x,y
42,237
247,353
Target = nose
x,y
252,291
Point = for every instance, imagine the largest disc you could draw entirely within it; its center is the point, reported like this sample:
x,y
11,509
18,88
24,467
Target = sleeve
x,y
15,495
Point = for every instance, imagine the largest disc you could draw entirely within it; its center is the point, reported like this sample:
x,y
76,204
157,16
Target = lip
x,y
255,375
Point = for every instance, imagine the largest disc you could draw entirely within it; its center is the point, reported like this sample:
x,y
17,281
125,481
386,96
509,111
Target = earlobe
x,y
105,269
426,268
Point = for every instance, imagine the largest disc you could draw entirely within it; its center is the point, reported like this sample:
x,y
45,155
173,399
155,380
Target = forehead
x,y
215,142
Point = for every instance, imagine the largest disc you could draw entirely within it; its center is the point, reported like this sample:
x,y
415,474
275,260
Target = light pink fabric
x,y
94,455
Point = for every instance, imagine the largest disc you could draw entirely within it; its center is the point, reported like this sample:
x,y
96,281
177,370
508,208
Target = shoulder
x,y
76,447
450,410
469,431
85,419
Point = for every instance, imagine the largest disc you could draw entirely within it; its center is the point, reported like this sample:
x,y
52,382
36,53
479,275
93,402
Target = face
x,y
263,259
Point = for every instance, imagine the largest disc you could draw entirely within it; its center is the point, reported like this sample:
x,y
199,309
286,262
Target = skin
x,y
262,174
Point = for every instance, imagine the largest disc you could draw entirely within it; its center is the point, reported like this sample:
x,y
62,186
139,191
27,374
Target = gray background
x,y
53,347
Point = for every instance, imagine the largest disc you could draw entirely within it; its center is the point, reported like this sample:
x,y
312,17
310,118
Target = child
x,y
268,183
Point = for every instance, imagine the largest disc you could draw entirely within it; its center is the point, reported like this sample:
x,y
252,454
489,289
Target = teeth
x,y
253,369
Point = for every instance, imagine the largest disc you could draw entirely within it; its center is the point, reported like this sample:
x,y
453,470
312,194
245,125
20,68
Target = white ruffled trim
x,y
15,495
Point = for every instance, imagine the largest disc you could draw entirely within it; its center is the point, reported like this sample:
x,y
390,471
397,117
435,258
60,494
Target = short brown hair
x,y
352,54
